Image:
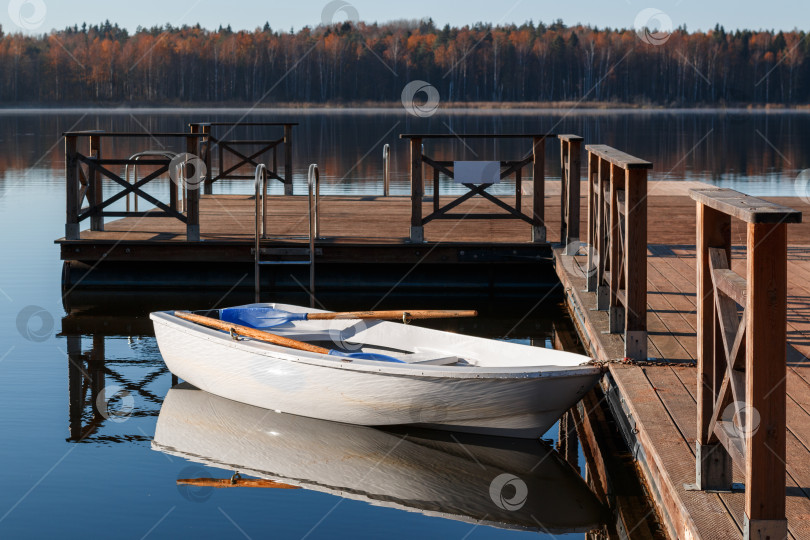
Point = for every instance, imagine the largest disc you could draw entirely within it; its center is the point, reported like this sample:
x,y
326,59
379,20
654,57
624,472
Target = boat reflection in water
x,y
507,483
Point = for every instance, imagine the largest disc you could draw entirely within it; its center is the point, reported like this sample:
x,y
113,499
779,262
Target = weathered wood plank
x,y
714,230
539,230
413,136
417,191
669,461
745,207
618,158
765,350
635,263
730,283
72,200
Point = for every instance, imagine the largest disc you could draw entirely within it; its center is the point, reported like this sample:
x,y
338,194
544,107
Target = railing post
x,y
208,185
616,311
97,220
417,191
206,129
593,219
713,462
755,433
570,166
95,368
617,236
75,384
635,264
765,353
564,148
538,179
192,197
288,157
603,221
72,190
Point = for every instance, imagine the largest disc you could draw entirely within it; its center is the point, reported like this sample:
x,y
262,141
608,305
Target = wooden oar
x,y
267,317
239,482
261,335
393,315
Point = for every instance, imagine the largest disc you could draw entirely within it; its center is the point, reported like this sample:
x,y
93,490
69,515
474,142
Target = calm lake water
x,y
113,483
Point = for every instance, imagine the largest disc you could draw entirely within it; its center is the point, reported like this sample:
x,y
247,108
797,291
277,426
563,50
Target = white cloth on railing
x,y
477,172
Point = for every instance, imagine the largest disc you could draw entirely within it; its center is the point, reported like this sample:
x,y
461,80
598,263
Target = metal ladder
x,y
304,255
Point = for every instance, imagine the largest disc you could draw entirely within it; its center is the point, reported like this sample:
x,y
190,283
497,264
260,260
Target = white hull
x,y
501,389
444,475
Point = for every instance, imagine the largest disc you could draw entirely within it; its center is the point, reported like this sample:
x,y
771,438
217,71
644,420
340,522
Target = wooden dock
x,y
373,243
655,401
632,287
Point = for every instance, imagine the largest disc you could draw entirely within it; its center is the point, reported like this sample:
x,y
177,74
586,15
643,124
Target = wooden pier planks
x,y
660,400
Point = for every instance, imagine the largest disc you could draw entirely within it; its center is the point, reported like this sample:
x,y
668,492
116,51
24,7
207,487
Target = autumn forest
x,y
362,63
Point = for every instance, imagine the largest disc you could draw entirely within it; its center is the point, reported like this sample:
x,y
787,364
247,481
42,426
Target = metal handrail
x,y
386,170
314,188
260,180
136,157
260,184
182,186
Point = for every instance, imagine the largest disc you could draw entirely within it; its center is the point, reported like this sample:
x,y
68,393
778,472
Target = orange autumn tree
x,y
362,62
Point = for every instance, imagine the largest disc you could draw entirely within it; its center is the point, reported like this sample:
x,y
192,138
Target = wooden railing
x,y
617,242
535,158
570,169
741,389
83,181
249,159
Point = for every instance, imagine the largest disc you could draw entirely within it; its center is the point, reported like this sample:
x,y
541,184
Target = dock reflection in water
x,y
507,483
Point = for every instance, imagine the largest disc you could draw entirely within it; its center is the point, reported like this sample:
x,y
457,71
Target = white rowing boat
x,y
507,483
443,380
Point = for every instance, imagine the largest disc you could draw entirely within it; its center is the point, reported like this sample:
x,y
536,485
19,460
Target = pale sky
x,y
42,15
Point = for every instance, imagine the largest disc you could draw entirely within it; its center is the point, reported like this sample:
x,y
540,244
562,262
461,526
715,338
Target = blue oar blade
x,y
259,317
367,356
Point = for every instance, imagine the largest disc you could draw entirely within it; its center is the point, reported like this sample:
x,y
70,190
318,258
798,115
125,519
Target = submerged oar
x,y
266,317
279,340
231,482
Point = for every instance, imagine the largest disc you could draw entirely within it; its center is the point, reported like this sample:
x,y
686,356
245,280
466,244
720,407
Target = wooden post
x,y
96,370
567,442
75,380
192,198
564,147
539,181
593,217
209,174
765,354
760,427
96,221
635,264
574,178
603,192
288,164
204,149
71,189
417,191
570,165
616,311
436,190
207,185
713,462
221,151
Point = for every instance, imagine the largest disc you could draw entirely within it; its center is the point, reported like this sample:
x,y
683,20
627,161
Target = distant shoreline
x,y
486,107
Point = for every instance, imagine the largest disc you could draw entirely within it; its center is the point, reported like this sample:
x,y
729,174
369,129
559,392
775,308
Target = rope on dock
x,y
643,363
